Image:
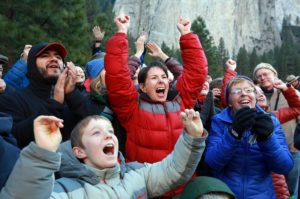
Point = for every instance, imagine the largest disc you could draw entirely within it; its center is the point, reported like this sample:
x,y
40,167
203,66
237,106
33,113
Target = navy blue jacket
x,y
9,152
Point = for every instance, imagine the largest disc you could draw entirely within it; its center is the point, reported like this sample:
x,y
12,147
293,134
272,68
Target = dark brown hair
x,y
144,71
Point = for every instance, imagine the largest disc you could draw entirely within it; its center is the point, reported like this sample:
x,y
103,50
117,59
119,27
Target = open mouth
x,y
160,91
53,66
244,102
261,99
109,149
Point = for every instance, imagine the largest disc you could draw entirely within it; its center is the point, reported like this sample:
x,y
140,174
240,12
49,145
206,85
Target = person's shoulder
x,y
67,185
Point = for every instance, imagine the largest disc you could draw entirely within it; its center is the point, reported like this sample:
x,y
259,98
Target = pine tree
x,y
223,52
243,62
211,51
253,60
63,21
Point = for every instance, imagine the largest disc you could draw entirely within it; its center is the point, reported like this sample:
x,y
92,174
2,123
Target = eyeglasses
x,y
239,91
268,74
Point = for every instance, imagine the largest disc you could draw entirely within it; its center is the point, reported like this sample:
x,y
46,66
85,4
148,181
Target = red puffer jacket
x,y
152,127
280,186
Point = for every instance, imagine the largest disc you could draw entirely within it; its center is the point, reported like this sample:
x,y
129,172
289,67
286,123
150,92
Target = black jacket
x,y
26,104
9,152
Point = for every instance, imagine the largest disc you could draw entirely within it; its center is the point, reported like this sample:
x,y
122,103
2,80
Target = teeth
x,y
244,102
109,145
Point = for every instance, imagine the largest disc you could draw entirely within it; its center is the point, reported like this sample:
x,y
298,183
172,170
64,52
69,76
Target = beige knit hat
x,y
265,66
291,78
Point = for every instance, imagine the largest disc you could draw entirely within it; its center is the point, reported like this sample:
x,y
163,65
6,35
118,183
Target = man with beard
x,y
45,95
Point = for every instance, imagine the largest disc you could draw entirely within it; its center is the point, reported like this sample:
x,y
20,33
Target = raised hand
x,y
263,126
280,85
59,88
122,23
156,51
46,132
192,122
98,34
231,64
2,85
242,120
140,44
71,78
183,25
25,52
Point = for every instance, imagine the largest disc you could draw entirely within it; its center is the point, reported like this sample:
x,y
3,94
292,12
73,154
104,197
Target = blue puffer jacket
x,y
246,168
16,76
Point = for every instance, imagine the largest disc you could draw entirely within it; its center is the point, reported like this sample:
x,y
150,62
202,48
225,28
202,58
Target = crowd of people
x,y
118,128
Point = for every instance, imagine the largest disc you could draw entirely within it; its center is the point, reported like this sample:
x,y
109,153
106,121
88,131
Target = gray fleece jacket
x,y
33,175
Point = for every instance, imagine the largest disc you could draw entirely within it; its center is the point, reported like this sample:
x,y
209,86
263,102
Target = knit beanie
x,y
3,59
232,80
204,185
94,67
265,66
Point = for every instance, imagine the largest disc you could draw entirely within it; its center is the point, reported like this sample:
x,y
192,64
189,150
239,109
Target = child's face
x,y
101,144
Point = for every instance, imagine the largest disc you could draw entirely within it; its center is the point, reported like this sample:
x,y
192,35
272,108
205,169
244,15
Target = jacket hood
x,y
71,167
204,185
33,74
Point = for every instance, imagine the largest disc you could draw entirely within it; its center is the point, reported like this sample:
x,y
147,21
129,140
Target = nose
x,y
53,58
108,135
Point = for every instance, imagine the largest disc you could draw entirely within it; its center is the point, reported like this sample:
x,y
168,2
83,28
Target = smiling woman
x,y
241,93
151,117
229,143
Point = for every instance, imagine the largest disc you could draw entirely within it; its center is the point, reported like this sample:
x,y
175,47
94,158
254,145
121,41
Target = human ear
x,y
142,87
79,152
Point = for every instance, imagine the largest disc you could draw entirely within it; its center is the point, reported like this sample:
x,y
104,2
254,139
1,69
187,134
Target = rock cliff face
x,y
253,23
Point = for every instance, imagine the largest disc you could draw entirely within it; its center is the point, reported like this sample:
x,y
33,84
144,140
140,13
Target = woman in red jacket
x,y
151,118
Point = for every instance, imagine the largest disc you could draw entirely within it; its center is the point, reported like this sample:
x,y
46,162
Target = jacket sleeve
x,y
82,106
32,176
194,73
133,64
286,114
276,151
177,168
174,66
123,96
280,186
297,137
16,76
221,146
22,124
227,76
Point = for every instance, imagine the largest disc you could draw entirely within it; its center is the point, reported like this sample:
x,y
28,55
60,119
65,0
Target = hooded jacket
x,y
9,152
16,75
37,99
246,168
34,174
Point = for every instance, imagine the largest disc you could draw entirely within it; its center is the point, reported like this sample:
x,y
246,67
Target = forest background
x,y
70,22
